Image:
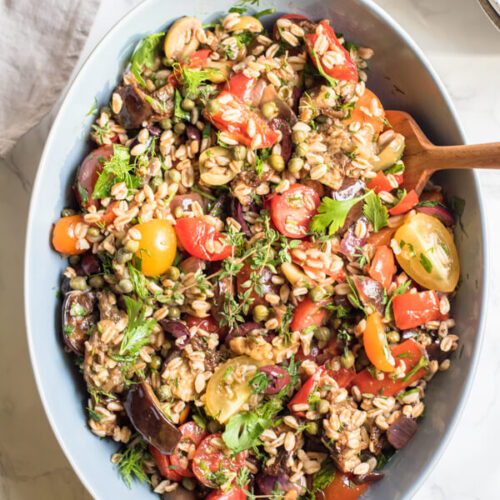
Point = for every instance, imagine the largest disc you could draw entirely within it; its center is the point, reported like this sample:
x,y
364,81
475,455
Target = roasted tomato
x,y
368,109
341,488
207,324
292,210
201,239
381,182
157,246
64,239
405,204
382,267
164,465
415,309
192,435
209,458
375,344
308,313
234,493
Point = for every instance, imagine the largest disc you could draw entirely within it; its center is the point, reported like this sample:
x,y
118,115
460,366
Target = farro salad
x,y
255,302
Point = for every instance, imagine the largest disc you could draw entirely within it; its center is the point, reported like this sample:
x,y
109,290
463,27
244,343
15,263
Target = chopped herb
x,y
84,195
145,55
265,12
457,206
77,309
69,330
94,415
422,363
139,281
131,462
93,108
259,383
332,82
426,263
375,212
399,290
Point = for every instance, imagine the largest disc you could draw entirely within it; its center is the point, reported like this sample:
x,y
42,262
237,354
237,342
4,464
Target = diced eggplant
x,y
135,109
401,431
144,411
370,292
281,125
79,316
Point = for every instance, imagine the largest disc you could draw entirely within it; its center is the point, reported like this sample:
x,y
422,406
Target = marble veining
x,y
464,48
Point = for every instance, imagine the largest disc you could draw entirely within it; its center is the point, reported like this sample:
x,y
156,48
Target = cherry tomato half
x,y
157,247
382,267
209,458
292,210
163,464
234,493
415,309
192,435
63,235
207,324
375,344
201,239
342,489
370,103
308,313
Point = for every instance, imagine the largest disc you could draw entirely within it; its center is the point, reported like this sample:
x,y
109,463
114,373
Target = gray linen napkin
x,y
40,41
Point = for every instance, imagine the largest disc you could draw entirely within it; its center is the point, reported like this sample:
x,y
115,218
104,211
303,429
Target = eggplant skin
x,y
76,327
143,410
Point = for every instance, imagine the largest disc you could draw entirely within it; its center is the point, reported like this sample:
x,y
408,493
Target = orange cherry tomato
x,y
381,183
383,237
375,343
308,313
63,235
157,247
382,267
342,489
370,102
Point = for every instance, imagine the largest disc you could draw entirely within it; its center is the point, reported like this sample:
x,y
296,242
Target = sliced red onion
x,y
192,133
154,131
90,263
401,431
237,211
350,243
278,378
176,329
370,292
442,213
286,136
266,485
242,330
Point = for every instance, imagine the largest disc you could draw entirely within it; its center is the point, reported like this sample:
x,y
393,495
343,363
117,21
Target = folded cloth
x,y
40,42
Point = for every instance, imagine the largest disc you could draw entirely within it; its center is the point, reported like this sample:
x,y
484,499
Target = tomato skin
x,y
342,489
383,237
163,464
108,217
375,344
357,114
191,432
196,60
408,352
241,86
383,267
381,183
209,458
208,324
289,212
63,235
415,309
234,493
344,71
195,232
88,173
238,128
406,204
157,247
308,313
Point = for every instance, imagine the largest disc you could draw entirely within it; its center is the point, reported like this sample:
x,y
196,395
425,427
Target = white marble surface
x,y
465,50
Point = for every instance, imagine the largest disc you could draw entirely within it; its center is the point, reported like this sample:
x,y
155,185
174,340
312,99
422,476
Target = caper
x,y
239,153
301,149
179,128
322,118
93,232
67,212
393,337
155,363
96,282
74,260
78,283
157,181
166,61
131,246
323,406
173,273
295,164
316,294
298,136
174,175
187,104
178,212
329,289
160,83
269,110
166,123
126,285
213,426
336,322
312,428
260,313
277,162
323,333
189,483
122,256
347,359
164,392
174,312
213,106
107,110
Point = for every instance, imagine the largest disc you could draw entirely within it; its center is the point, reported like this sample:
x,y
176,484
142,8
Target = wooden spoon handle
x,y
464,157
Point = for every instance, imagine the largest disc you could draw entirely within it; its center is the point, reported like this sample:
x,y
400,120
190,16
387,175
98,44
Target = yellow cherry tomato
x,y
428,253
375,343
157,247
222,403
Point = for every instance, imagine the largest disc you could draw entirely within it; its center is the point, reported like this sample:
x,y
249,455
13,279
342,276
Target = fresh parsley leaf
x,y
145,56
426,263
260,159
375,212
333,213
397,168
194,78
324,476
139,282
68,330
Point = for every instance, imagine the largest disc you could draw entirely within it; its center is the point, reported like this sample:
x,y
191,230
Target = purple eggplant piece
x,y
237,211
176,329
434,352
351,244
286,132
371,477
90,263
243,330
370,292
79,317
135,109
267,485
154,131
278,378
401,431
440,212
193,133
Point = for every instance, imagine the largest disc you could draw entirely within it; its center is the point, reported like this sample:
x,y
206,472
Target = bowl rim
x,y
417,51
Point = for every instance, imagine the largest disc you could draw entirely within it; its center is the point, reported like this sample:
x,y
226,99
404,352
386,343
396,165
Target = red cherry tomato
x,y
341,488
234,493
209,458
415,309
163,464
345,70
292,210
192,435
263,136
308,313
381,183
208,324
196,60
241,86
88,173
406,204
201,239
382,267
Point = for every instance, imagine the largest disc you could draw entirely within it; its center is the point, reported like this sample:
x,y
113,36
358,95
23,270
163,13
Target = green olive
x,y
316,294
131,246
181,41
96,282
74,260
187,104
239,153
166,123
122,256
323,333
393,337
179,128
67,212
323,406
295,165
269,110
213,106
277,162
155,363
347,359
178,212
301,149
298,136
174,175
126,286
260,313
78,283
93,232
312,428
173,273
174,312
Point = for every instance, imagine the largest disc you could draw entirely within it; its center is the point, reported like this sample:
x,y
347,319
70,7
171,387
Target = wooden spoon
x,y
422,158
